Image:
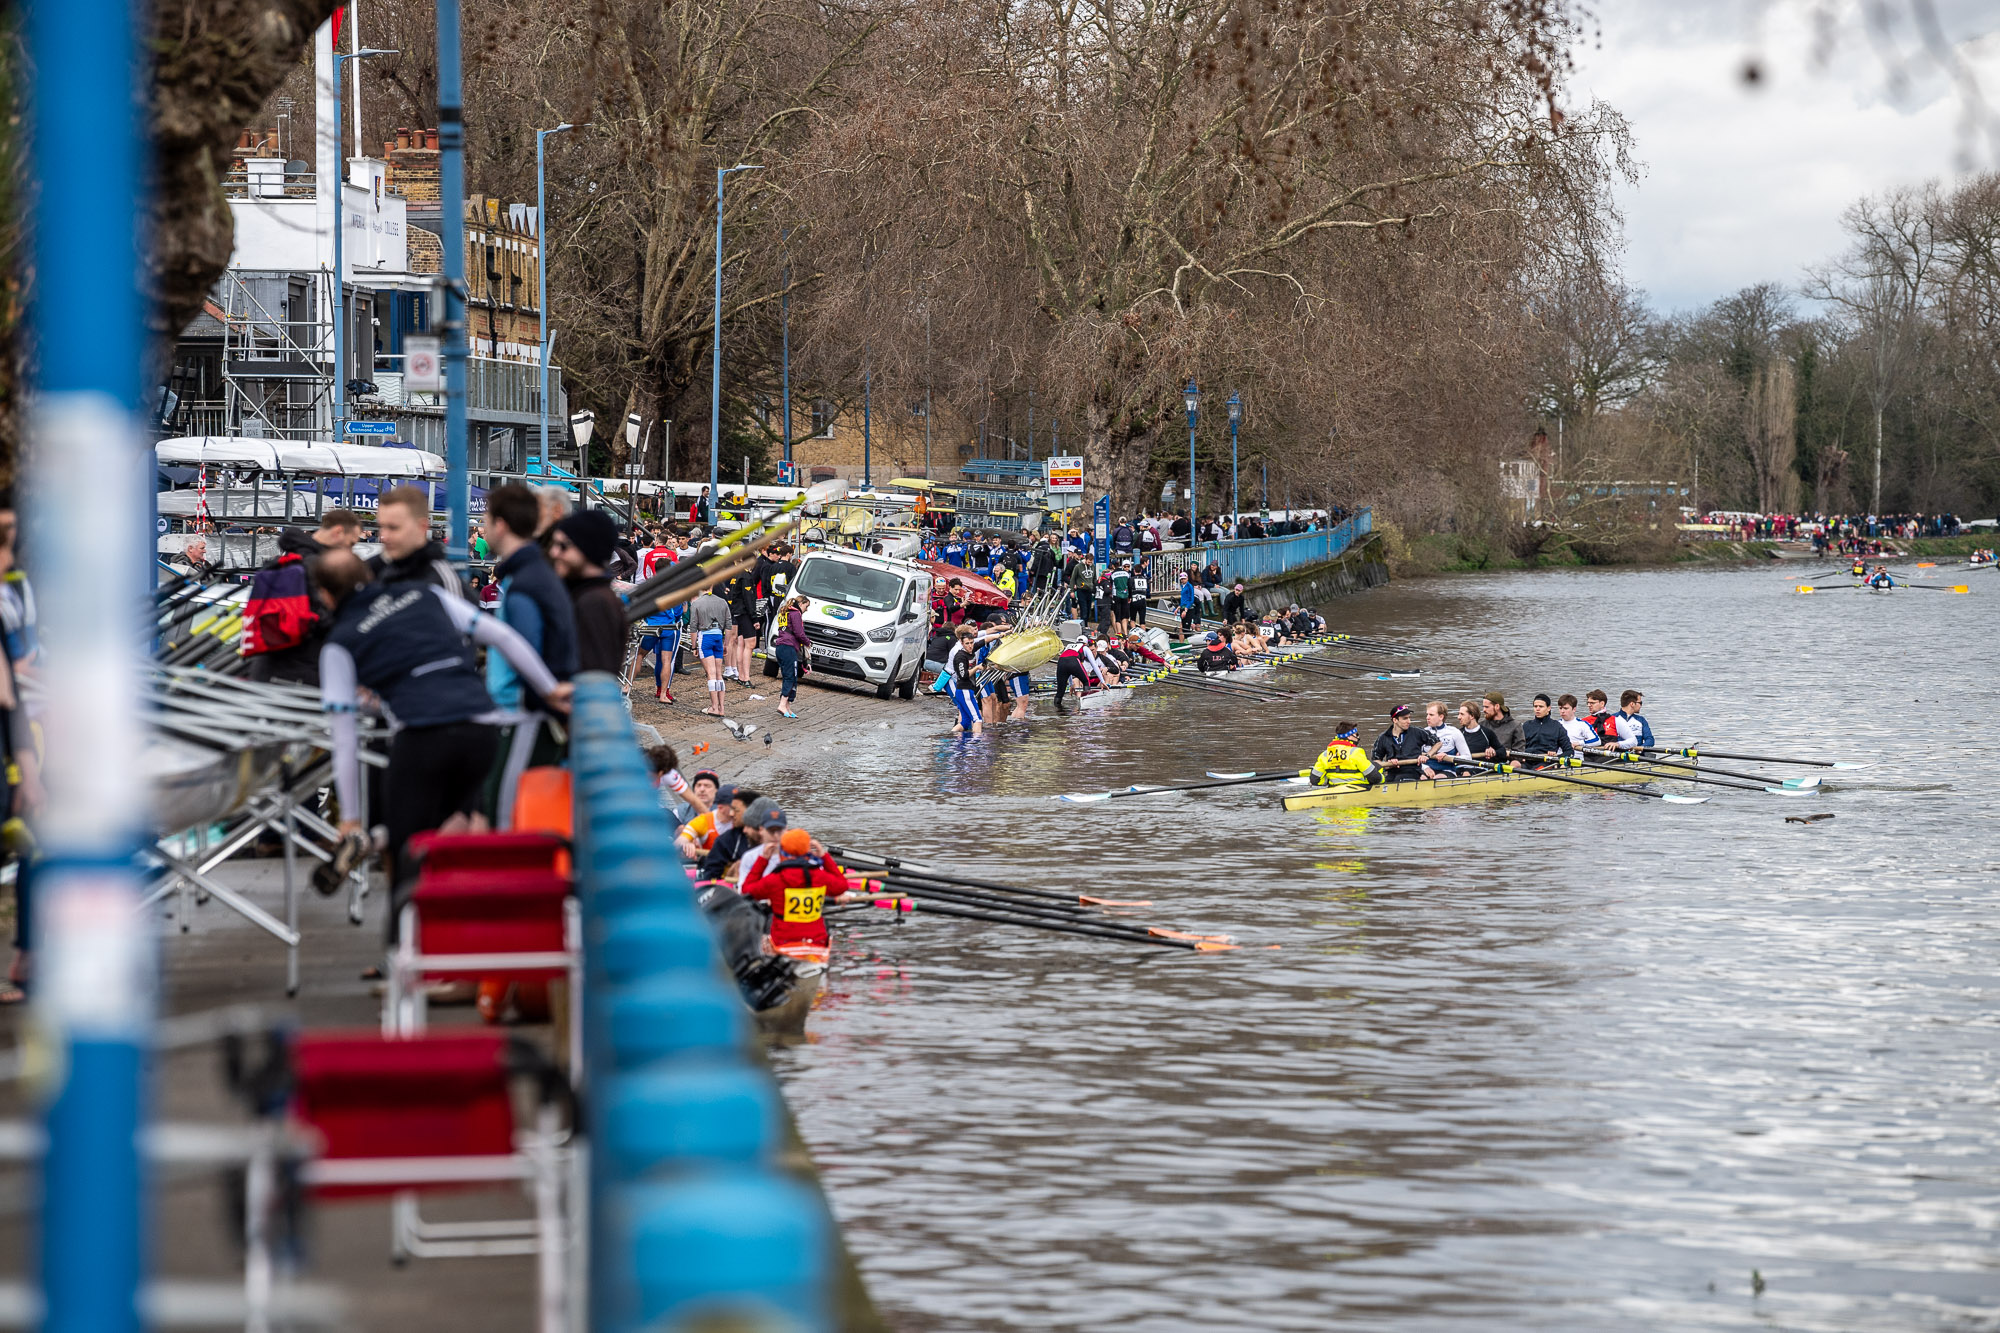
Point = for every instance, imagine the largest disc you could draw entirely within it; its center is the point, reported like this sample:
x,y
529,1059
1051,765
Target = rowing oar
x,y
1652,770
697,579
823,493
971,898
1696,752
1668,797
1626,757
1378,645
1238,780
1092,931
1935,587
891,881
913,870
1232,689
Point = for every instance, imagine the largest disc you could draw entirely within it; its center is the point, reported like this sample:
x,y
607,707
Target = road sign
x,y
1064,476
635,469
423,364
371,428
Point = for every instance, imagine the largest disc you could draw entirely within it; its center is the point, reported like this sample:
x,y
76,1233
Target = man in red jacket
x,y
796,887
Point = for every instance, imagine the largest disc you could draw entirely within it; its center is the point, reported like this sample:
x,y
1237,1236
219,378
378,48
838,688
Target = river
x,y
1554,1062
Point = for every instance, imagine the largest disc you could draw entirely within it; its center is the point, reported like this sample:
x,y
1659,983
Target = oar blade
x,y
1791,791
1851,767
1229,777
1086,797
1683,800
1801,784
1806,587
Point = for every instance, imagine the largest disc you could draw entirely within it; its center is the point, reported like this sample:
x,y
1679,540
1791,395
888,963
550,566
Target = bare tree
x,y
1134,195
1881,283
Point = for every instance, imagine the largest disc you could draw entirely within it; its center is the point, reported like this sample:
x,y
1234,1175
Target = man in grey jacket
x,y
1501,722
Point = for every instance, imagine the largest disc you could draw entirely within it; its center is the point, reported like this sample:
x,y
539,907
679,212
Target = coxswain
x,y
1343,763
1604,722
410,645
1542,734
1860,569
1879,577
796,887
1216,656
1581,735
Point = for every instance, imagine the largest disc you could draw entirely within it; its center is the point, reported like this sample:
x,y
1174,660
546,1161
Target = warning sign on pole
x,y
1064,476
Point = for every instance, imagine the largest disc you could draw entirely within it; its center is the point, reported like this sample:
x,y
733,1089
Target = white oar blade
x,y
1851,768
1685,800
1086,797
1802,784
1225,777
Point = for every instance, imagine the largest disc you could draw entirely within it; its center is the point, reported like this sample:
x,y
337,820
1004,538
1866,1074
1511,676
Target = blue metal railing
x,y
1263,558
1010,469
689,1217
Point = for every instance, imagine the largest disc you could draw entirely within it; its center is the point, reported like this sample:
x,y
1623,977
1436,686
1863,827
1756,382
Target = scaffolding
x,y
277,354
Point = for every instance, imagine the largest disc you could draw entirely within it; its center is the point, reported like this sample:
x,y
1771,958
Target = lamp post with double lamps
x,y
715,388
1193,397
542,273
339,265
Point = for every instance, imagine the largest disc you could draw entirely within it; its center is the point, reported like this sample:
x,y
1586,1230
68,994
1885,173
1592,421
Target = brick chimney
x,y
413,165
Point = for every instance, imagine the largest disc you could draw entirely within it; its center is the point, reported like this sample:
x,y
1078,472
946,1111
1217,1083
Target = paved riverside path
x,y
220,961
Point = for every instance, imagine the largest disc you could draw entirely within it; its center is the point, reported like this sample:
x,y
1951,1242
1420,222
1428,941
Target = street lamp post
x,y
339,266
715,385
1235,497
1193,397
785,349
542,273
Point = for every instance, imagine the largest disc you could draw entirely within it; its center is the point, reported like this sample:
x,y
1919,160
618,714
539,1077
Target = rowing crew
x,y
980,692
1483,732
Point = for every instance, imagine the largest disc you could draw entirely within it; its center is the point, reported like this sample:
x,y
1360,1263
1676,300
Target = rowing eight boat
x,y
1447,791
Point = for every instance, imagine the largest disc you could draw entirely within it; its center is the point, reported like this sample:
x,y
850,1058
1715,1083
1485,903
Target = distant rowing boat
x,y
1449,791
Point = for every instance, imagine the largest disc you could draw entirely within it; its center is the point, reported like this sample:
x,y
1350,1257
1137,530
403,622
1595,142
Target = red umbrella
x,y
978,590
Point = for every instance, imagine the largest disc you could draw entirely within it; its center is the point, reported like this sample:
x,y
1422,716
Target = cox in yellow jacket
x,y
1343,761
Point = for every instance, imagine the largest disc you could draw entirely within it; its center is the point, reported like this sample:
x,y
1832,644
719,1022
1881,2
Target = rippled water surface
x,y
1554,1062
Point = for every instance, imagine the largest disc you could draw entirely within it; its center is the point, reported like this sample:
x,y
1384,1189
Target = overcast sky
x,y
1742,185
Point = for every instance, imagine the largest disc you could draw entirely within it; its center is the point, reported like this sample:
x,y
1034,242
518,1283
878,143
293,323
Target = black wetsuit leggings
x,y
434,773
1068,669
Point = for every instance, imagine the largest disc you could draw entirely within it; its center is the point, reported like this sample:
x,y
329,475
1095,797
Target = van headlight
x,y
882,634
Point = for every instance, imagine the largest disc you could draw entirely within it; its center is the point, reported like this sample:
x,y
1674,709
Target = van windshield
x,y
850,585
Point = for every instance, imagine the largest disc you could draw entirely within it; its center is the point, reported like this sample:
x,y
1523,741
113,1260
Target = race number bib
x,y
802,905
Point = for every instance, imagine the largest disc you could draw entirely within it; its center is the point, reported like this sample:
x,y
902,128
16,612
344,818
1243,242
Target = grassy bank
x,y
1930,546
1457,553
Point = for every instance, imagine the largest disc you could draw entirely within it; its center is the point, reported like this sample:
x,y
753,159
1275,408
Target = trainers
x,y
331,875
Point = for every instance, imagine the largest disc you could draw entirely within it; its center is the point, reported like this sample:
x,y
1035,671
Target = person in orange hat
x,y
796,887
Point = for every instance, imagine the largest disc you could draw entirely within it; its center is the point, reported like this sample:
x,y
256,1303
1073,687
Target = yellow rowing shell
x,y
1446,791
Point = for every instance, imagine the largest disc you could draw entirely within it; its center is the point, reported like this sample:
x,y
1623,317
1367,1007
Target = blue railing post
x,y
689,1217
92,477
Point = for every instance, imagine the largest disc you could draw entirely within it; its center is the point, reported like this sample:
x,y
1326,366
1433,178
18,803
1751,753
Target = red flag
x,y
338,15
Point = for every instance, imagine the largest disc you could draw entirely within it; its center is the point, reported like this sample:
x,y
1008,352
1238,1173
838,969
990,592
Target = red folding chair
x,y
397,1115
493,906
489,906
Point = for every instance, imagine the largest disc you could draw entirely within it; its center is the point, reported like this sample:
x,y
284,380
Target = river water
x,y
1555,1062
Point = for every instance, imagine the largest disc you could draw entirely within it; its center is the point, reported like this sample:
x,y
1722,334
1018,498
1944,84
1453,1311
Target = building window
x,y
822,419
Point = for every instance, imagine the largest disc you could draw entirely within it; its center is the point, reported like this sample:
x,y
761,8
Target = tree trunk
x,y
1114,461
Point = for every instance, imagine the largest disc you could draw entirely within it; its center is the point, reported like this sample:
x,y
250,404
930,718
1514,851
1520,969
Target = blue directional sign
x,y
371,428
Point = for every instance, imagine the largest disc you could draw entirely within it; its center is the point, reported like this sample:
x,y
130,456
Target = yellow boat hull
x,y
1449,791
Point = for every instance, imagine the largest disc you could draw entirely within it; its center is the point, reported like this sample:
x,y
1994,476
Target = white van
x,y
868,618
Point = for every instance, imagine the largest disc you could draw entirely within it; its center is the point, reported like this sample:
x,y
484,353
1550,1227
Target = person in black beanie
x,y
580,546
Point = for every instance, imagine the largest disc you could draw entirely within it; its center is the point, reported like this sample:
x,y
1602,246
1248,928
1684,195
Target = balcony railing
x,y
269,185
